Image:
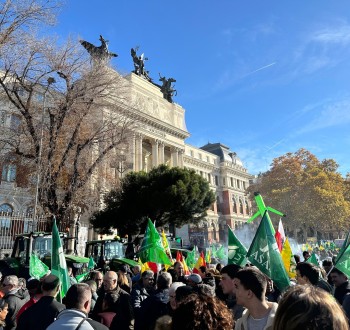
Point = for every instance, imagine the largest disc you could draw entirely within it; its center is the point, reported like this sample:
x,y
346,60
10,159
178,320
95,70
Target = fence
x,y
15,224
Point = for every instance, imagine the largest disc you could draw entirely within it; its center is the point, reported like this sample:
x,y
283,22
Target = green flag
x,y
191,258
344,246
91,264
236,250
264,254
221,253
343,261
313,260
58,261
37,268
82,277
152,247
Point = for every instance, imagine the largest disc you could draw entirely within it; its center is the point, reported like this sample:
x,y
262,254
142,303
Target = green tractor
x,y
108,254
38,243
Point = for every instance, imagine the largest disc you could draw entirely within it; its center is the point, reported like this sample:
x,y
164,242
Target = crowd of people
x,y
213,297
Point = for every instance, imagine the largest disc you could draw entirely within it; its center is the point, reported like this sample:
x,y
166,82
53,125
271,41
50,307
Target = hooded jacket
x,y
70,319
242,323
15,299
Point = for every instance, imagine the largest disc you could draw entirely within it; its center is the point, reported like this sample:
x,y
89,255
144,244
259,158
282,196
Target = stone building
x,y
160,139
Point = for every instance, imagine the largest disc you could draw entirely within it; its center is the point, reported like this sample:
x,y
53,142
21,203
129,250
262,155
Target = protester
x,y
207,277
141,291
124,318
327,265
35,293
341,283
3,313
15,297
107,314
163,323
41,314
72,279
309,307
94,296
306,255
98,278
201,313
136,270
124,280
156,305
250,288
193,279
227,284
308,273
78,300
172,295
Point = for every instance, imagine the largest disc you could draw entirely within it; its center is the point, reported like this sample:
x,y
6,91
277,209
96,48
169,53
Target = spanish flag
x,y
200,262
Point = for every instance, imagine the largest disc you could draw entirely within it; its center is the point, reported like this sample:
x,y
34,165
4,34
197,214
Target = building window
x,y
8,173
238,184
231,182
218,205
201,173
208,160
6,208
191,153
240,207
246,207
209,177
200,156
223,181
216,180
234,206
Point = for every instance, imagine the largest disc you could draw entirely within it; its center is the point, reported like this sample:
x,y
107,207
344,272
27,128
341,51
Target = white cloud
x,y
337,114
334,35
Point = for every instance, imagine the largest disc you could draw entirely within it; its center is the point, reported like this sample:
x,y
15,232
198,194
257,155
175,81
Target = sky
x,y
262,77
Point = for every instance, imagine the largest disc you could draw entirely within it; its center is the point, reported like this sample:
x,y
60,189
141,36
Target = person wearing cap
x,y
193,279
78,300
41,314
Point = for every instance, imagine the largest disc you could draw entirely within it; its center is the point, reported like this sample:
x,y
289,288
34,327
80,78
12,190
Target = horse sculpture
x,y
166,88
139,64
99,53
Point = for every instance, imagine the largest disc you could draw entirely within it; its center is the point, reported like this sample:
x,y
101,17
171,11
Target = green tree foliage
x,y
165,195
311,192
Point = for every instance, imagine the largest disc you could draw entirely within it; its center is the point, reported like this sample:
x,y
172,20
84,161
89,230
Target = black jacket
x,y
124,318
15,300
341,291
40,315
152,308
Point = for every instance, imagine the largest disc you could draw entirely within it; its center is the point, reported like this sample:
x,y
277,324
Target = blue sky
x,y
263,77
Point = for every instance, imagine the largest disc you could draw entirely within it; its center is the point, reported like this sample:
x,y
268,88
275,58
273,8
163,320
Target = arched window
x,y
234,206
218,204
8,173
240,207
246,207
6,208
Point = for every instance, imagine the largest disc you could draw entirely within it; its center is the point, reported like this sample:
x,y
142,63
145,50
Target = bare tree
x,y
70,118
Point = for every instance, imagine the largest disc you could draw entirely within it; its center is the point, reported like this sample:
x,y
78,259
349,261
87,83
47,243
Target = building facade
x,y
158,138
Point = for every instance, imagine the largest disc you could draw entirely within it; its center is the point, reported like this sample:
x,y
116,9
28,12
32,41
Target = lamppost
x,y
50,81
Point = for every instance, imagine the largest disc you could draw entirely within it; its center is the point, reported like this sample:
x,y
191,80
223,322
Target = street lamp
x,y
50,81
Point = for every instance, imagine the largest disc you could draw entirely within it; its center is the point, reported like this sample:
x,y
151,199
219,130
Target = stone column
x,y
155,153
180,158
174,157
139,158
161,152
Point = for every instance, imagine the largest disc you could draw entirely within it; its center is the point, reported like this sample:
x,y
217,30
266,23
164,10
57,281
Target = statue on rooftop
x,y
99,53
167,89
139,64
